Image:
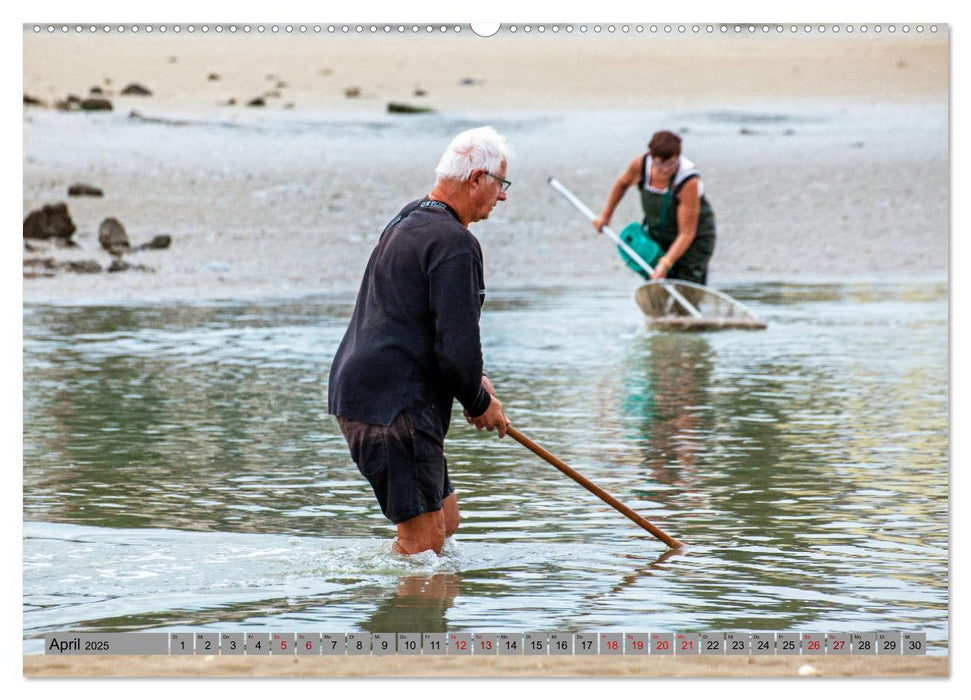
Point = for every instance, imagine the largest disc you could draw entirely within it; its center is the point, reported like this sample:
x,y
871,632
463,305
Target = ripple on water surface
x,y
180,471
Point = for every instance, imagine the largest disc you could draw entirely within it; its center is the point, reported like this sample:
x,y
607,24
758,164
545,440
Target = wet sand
x,y
824,157
507,667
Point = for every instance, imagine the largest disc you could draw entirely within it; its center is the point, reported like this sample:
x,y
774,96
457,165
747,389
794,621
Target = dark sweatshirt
x,y
413,340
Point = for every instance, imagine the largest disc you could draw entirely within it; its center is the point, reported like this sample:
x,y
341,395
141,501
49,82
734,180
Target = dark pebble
x,y
400,108
136,89
96,104
82,190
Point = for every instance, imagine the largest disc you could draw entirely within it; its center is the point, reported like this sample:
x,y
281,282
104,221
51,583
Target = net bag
x,y
715,310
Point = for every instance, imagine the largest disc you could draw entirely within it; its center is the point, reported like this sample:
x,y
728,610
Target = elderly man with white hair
x,y
413,345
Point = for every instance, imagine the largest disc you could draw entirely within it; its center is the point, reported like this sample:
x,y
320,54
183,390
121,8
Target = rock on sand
x,y
112,236
51,221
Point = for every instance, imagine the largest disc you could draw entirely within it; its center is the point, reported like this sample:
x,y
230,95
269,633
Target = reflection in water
x,y
665,379
639,571
806,467
420,604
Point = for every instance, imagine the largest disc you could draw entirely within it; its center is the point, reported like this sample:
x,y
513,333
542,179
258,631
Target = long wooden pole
x,y
593,488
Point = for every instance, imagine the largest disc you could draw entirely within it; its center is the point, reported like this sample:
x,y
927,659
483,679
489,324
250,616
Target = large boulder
x,y
51,221
112,236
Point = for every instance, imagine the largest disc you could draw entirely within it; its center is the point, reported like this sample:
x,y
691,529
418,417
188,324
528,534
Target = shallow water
x,y
180,471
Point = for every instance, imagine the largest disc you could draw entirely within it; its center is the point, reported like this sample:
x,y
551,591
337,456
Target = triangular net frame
x,y
718,310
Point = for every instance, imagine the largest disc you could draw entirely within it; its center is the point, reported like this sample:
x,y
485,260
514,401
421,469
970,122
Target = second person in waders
x,y
677,216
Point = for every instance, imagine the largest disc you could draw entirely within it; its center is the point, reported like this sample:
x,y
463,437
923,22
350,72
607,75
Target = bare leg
x,y
421,533
450,507
429,530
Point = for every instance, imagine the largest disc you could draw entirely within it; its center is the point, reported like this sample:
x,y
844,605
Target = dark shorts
x,y
405,467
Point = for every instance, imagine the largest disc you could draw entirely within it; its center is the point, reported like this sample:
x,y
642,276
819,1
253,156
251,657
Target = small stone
x,y
352,92
136,89
69,103
214,76
96,104
401,108
157,243
46,263
81,190
39,267
112,236
83,266
118,265
807,670
256,102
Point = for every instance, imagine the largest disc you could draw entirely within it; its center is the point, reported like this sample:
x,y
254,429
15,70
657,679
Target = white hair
x,y
482,148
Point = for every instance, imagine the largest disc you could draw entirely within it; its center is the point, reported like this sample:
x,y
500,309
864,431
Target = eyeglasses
x,y
505,183
661,163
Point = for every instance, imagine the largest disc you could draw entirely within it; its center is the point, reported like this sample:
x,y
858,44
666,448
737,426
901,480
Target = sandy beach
x,y
824,156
